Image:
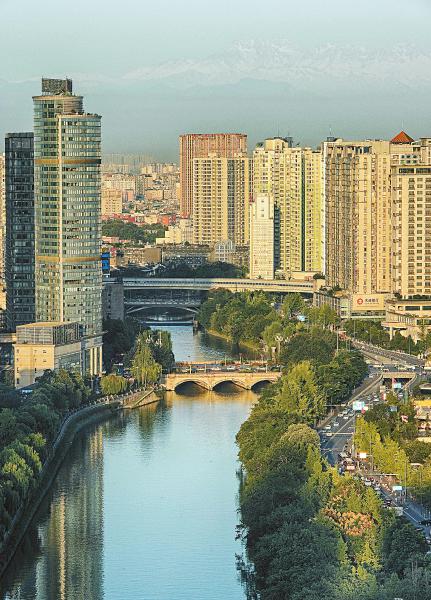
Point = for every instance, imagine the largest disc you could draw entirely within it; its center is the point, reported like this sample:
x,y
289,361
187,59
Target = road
x,y
341,435
396,357
334,438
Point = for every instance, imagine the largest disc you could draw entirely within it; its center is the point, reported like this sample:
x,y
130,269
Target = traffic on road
x,y
337,433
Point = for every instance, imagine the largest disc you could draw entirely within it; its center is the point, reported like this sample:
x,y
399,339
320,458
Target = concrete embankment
x,y
142,398
69,428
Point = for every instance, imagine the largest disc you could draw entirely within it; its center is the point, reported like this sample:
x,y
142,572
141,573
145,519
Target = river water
x,y
144,506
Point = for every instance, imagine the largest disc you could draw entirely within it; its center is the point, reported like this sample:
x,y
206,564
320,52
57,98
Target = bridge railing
x,y
275,285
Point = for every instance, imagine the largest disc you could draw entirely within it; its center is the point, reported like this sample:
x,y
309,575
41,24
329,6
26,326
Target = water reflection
x,y
56,560
144,507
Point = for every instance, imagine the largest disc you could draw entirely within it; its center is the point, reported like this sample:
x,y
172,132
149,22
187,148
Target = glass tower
x,y
67,157
19,247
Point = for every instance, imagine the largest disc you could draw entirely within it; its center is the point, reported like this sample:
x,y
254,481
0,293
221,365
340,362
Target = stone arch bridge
x,y
211,380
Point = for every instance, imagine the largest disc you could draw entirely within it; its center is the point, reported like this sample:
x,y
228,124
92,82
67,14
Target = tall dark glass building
x,y
67,157
20,223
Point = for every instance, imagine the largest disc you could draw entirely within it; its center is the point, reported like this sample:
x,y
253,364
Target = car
x,y
336,424
329,434
346,417
327,427
425,522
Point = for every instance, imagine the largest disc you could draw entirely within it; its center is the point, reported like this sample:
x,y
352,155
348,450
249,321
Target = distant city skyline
x,y
282,68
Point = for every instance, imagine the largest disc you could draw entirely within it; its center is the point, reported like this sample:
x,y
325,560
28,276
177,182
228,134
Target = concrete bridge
x,y
212,380
133,305
234,285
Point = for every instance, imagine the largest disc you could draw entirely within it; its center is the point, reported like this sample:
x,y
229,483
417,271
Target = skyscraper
x,y
221,199
292,178
358,207
201,145
67,214
19,247
411,223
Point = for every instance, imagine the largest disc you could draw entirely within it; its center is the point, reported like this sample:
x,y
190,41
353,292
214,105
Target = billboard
x,y
364,302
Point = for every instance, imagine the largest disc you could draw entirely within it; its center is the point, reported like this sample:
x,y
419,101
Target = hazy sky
x,y
158,69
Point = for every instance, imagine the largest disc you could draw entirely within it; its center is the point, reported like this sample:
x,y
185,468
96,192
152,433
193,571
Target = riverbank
x,y
245,345
67,432
70,427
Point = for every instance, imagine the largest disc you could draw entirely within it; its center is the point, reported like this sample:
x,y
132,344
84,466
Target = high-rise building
x,y
19,255
358,209
292,178
411,223
221,199
67,214
201,145
263,227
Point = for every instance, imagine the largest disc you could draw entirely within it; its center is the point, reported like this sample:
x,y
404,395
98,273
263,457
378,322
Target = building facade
x,y
46,346
263,225
112,202
19,247
67,214
292,178
373,209
201,145
221,196
411,222
358,212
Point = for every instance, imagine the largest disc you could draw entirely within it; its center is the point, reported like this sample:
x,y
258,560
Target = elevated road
x,y
233,285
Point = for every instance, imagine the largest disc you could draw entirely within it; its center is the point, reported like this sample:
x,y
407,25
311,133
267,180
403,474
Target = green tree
x,y
144,368
113,384
300,395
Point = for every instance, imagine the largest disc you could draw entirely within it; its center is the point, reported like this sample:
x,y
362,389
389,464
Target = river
x,y
144,506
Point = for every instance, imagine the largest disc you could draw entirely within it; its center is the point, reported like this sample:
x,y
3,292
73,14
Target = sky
x,y
154,70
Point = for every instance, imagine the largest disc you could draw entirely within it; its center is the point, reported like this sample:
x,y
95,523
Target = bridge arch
x,y
132,308
261,382
237,382
199,382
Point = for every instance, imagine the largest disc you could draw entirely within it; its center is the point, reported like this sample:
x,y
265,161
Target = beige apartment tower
x,y
292,178
359,212
201,145
221,200
411,220
262,237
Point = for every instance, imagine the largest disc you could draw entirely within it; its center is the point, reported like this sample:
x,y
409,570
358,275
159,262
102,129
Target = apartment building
x,y
358,211
263,227
201,145
292,178
221,195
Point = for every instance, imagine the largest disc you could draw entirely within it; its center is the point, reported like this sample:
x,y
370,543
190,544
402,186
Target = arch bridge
x,y
211,380
138,305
